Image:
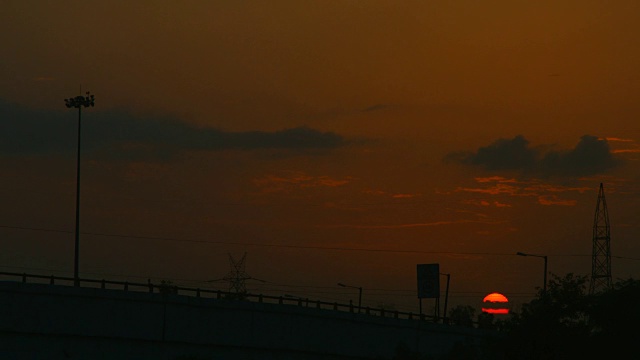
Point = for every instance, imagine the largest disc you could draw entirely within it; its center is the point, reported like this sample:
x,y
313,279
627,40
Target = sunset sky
x,y
332,141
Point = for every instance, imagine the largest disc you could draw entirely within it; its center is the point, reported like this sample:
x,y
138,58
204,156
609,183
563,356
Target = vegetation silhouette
x,y
462,315
565,322
166,287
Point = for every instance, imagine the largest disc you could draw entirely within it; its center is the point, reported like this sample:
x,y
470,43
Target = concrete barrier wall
x,y
62,322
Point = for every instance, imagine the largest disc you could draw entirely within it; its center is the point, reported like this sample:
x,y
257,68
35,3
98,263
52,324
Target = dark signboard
x,y
428,281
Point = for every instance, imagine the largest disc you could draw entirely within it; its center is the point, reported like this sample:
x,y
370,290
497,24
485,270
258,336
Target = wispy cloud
x,y
622,151
486,203
494,190
545,193
500,205
554,200
386,194
499,179
544,187
615,139
624,146
296,180
414,225
404,196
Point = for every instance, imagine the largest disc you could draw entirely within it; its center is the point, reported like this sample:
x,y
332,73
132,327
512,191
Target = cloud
x,y
554,200
485,203
592,155
392,195
502,154
544,193
403,196
621,151
498,179
416,225
296,180
536,187
615,139
120,134
32,131
501,205
493,190
629,146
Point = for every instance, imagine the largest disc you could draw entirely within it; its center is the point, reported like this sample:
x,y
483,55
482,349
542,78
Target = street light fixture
x,y
544,288
446,297
359,294
78,102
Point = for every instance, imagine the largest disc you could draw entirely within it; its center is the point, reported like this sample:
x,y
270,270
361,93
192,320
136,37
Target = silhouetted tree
x,y
166,287
462,315
486,321
613,319
565,322
547,326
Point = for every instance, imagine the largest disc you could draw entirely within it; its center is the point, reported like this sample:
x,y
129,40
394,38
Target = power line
x,y
309,247
35,229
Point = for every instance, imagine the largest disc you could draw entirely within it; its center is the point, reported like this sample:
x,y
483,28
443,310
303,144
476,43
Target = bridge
x,y
47,317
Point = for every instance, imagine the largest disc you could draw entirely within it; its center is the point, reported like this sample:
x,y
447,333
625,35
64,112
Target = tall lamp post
x,y
359,294
544,287
446,297
78,102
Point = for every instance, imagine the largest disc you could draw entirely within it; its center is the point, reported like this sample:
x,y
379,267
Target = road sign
x,y
428,281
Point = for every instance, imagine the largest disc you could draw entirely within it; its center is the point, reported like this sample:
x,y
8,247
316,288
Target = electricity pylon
x,y
237,275
601,255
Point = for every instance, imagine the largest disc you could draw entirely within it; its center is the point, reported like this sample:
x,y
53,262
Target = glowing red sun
x,y
495,303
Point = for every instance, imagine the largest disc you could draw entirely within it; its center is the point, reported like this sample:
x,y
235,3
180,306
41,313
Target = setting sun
x,y
495,303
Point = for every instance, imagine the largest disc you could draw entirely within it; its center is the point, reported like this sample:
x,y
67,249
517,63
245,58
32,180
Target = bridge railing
x,y
168,288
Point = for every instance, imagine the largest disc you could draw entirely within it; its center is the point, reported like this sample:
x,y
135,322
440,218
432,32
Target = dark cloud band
x,y
590,156
28,131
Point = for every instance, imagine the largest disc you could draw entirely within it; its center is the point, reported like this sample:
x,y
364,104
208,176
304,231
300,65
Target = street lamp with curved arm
x,y
544,288
359,294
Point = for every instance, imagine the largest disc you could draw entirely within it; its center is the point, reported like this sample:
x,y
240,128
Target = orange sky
x,y
454,132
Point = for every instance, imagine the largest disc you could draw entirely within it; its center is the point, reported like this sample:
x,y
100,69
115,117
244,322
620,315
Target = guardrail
x,y
168,288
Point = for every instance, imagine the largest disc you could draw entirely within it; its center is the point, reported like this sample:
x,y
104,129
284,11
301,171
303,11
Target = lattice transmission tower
x,y
601,255
237,276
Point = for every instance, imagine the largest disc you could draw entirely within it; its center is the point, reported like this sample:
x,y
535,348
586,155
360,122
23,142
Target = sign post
x,y
429,284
